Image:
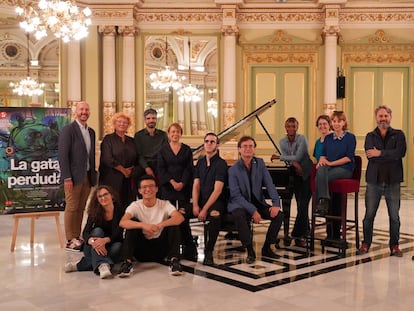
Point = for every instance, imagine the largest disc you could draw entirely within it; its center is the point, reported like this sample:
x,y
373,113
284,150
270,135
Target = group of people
x,y
149,187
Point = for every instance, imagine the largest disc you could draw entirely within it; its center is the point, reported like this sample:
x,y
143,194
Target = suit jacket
x,y
240,190
73,156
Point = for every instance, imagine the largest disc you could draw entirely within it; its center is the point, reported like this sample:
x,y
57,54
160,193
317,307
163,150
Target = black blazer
x,y
73,155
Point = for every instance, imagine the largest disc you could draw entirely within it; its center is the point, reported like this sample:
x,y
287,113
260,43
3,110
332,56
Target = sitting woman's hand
x,y
274,157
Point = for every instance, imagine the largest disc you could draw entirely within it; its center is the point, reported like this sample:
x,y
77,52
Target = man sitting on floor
x,y
152,230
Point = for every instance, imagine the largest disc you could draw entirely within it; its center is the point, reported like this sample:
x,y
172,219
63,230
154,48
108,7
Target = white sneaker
x,y
104,271
70,267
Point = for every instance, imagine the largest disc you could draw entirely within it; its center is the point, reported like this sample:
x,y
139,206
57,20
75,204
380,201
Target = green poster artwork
x,y
29,166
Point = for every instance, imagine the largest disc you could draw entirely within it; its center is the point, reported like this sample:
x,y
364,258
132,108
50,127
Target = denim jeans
x,y
373,195
324,175
91,259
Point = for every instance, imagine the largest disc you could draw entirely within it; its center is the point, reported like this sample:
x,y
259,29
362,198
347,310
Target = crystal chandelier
x,y
189,93
63,18
27,86
212,105
166,78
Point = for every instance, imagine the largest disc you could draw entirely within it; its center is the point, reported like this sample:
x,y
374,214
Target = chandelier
x,y
166,78
212,105
63,18
27,86
189,93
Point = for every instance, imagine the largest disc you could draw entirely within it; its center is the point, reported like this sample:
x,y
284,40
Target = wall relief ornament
x,y
275,58
376,15
278,16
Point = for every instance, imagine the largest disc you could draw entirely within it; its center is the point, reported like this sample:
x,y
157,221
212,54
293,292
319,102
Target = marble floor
x,y
32,277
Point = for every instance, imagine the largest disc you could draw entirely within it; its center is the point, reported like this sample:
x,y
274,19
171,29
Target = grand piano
x,y
282,175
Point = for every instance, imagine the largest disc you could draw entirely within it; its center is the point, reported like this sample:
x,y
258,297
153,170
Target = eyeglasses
x,y
210,141
148,187
100,196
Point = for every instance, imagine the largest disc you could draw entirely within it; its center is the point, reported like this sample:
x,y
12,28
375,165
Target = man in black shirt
x,y
384,147
148,142
209,200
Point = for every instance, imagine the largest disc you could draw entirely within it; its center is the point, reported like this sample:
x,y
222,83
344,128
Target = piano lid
x,y
237,128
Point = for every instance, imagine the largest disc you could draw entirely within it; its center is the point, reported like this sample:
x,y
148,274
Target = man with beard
x,y
384,147
148,142
76,153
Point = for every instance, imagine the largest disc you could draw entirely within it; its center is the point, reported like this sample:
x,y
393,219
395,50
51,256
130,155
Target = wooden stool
x,y
34,216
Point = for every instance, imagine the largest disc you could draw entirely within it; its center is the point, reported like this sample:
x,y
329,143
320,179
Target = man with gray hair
x,y
384,147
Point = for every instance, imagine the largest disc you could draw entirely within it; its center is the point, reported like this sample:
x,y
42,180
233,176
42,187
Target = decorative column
x,y
230,32
202,123
194,117
74,75
330,34
108,77
128,34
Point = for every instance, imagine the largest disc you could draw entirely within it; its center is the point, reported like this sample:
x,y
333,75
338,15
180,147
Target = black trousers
x,y
166,246
242,221
213,225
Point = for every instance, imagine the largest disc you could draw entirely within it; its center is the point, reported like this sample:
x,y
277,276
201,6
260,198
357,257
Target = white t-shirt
x,y
161,211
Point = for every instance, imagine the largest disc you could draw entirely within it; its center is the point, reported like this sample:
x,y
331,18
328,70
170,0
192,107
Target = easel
x,y
33,217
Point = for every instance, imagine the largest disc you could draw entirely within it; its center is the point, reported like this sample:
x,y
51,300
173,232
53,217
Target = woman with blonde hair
x,y
119,164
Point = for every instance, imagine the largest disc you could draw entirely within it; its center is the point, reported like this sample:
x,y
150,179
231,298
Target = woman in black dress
x,y
175,168
119,160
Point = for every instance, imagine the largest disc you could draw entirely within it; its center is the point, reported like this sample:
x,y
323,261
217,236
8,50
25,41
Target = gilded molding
x,y
282,47
128,31
229,114
174,15
107,30
109,14
129,109
376,15
229,30
378,58
278,16
275,58
109,109
380,37
331,30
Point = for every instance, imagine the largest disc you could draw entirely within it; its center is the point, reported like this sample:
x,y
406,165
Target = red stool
x,y
342,187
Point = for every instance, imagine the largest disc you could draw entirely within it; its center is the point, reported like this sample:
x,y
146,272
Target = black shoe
x,y
208,258
251,255
322,207
287,240
175,267
300,242
267,252
126,269
250,259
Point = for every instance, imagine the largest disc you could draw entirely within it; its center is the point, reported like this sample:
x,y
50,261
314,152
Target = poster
x,y
29,167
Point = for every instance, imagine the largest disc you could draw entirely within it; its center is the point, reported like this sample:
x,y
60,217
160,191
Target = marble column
x,y
74,75
331,38
128,34
229,75
108,77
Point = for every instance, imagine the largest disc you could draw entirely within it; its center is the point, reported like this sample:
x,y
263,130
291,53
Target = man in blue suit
x,y
246,179
76,152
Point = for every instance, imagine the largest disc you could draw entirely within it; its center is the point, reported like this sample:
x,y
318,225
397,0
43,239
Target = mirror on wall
x,y
22,56
181,81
